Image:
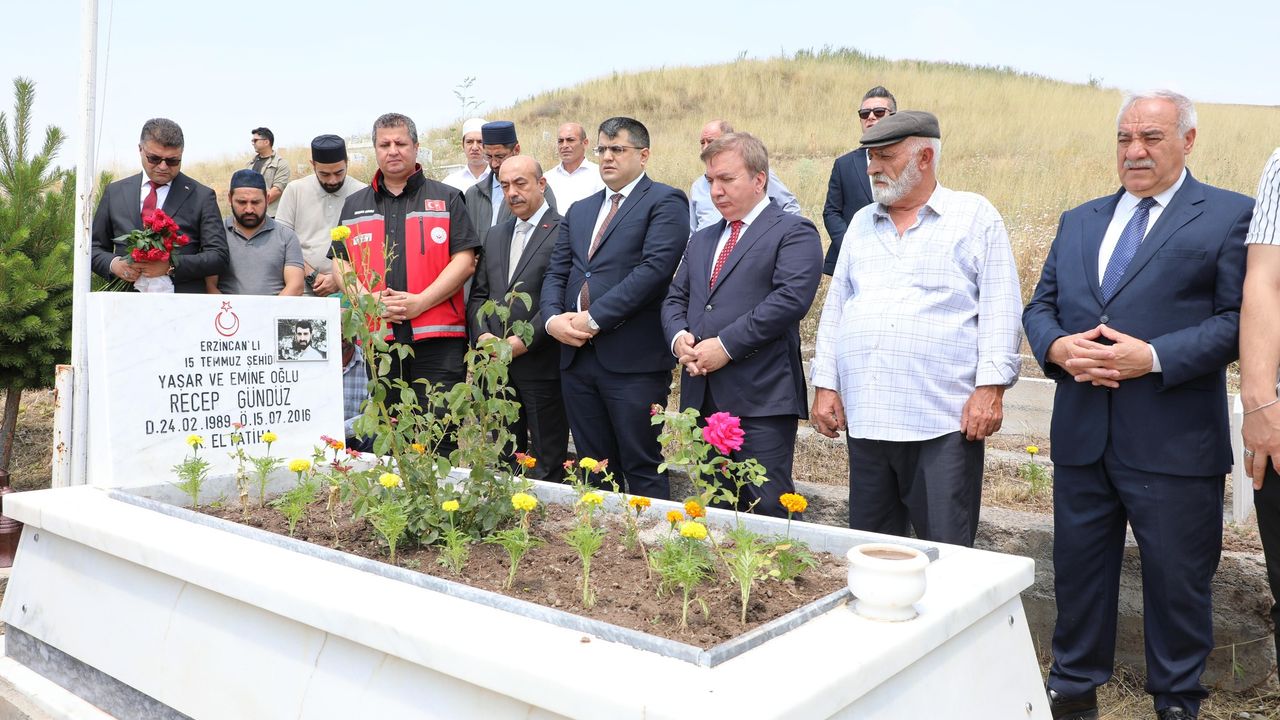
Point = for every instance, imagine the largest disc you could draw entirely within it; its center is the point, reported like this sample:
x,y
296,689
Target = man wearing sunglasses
x,y
850,188
161,185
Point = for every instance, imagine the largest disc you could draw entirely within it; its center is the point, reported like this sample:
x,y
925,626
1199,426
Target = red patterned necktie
x,y
735,228
149,202
584,296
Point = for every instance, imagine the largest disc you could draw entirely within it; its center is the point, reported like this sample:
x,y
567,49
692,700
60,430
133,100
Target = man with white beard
x,y
918,340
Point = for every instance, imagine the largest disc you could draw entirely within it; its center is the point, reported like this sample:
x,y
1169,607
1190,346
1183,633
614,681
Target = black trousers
x,y
934,486
439,361
609,417
1267,504
542,430
1177,521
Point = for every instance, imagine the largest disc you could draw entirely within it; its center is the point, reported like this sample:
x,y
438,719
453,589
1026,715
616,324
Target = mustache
x,y
1147,164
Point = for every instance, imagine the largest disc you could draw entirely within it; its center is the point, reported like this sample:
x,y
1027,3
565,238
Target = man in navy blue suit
x,y
849,188
733,313
1136,316
602,298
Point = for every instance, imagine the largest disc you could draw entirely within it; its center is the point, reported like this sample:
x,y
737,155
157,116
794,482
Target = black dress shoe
x,y
1174,713
1076,707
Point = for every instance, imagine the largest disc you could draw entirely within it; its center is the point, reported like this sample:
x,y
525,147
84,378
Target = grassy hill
x,y
1033,146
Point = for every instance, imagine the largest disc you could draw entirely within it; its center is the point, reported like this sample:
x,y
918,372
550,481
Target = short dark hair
x,y
879,91
266,134
163,131
394,120
636,129
302,325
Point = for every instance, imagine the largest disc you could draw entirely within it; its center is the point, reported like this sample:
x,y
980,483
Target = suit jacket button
x,y
1104,319
588,275
708,308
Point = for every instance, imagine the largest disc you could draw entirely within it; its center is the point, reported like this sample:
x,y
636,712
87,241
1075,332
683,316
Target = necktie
x,y
149,202
735,228
1126,248
584,296
517,247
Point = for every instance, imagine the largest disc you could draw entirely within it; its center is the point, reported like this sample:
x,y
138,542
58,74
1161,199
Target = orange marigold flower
x,y
525,460
674,516
793,502
695,509
639,503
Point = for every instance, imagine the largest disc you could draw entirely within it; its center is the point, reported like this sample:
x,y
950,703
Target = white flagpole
x,y
86,177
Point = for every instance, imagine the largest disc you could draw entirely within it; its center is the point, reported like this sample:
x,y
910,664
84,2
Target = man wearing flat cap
x,y
311,207
918,340
476,169
266,258
485,204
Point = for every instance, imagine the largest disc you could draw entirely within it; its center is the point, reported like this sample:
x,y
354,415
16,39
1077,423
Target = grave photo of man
x,y
301,339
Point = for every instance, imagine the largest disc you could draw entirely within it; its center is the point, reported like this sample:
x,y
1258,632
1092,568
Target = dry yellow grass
x,y
1033,146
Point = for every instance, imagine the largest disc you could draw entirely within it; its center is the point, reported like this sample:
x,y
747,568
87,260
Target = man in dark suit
x,y
733,313
514,259
602,298
161,185
484,199
849,188
1136,316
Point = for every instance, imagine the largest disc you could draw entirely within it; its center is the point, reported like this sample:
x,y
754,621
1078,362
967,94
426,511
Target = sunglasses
x,y
878,112
170,161
614,149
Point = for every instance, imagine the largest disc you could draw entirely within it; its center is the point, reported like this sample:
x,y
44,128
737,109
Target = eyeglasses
x,y
878,112
614,149
170,161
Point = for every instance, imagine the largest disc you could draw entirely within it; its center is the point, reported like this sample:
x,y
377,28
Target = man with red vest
x,y
412,244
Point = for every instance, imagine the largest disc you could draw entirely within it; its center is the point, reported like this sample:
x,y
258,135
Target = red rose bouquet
x,y
154,242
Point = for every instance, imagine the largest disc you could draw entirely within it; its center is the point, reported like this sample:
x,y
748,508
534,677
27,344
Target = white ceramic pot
x,y
886,580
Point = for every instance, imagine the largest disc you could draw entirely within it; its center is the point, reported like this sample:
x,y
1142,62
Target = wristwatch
x,y
311,279
591,323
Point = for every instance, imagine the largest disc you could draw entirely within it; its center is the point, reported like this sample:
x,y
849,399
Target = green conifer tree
x,y
37,216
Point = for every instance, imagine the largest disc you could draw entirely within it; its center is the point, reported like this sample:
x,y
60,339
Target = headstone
x,y
163,367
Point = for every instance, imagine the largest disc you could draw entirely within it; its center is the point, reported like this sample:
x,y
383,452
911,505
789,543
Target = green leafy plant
x,y
388,513
715,477
264,466
193,471
586,538
747,559
517,540
684,561
1034,473
457,544
293,504
789,558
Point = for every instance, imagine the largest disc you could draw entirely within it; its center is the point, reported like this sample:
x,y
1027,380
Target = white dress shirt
x,y
912,324
571,187
463,179
162,192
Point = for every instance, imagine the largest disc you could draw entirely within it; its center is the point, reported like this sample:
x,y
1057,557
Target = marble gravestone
x,y
164,367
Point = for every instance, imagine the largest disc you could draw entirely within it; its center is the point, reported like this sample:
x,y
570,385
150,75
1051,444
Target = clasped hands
x,y
701,358
571,328
1091,361
401,306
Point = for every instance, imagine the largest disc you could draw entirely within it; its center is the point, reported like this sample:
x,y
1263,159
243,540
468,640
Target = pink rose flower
x,y
723,432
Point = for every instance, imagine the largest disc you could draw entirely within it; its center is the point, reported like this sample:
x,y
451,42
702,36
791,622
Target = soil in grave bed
x,y
551,574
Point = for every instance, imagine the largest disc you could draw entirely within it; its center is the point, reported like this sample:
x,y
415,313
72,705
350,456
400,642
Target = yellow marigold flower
x,y
449,506
195,440
674,516
299,465
639,503
695,509
591,498
340,233
389,480
269,437
524,501
418,448
1032,450
695,530
588,463
793,502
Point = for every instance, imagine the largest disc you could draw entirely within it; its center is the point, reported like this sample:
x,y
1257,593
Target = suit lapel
x,y
764,222
628,204
590,210
860,173
1095,228
129,203
179,190
1183,208
503,250
541,232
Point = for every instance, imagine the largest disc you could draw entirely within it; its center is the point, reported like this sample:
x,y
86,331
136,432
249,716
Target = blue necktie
x,y
1126,248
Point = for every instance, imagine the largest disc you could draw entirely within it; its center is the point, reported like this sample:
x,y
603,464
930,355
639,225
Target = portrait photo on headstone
x,y
302,339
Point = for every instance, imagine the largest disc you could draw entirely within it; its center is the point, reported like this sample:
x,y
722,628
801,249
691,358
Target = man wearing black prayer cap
x,y
485,204
311,207
266,258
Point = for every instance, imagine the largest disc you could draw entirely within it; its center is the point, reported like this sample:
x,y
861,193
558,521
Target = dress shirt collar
x,y
535,218
586,166
1129,201
937,203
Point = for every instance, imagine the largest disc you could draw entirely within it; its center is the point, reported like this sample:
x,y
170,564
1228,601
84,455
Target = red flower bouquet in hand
x,y
154,242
